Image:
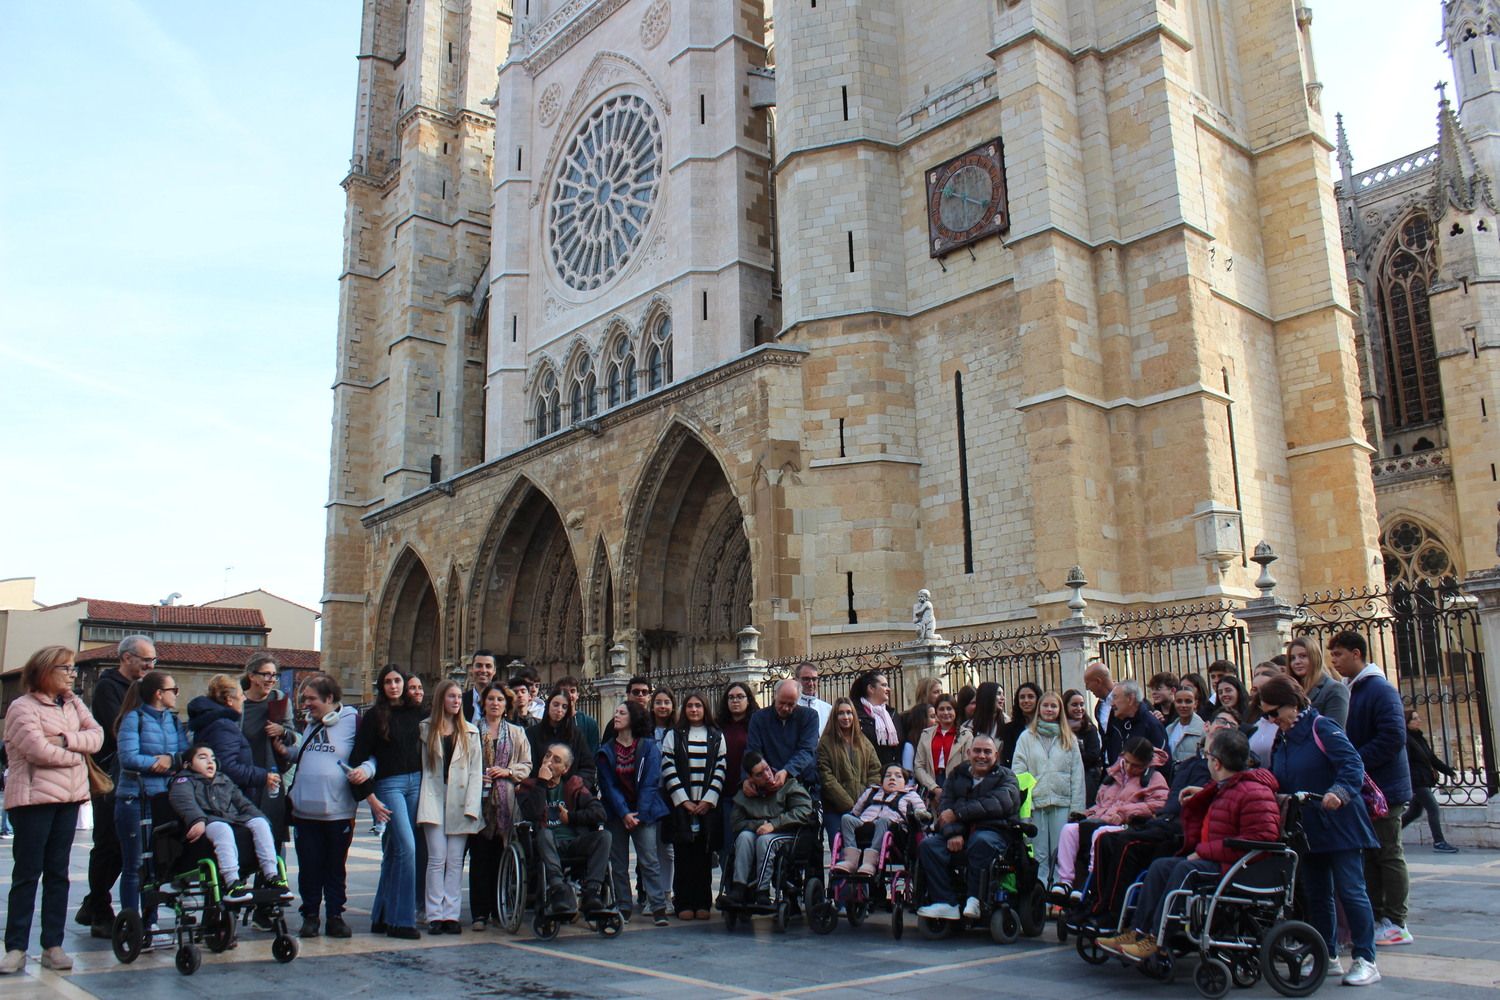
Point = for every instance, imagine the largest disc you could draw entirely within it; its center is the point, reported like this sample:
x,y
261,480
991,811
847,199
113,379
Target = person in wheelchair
x,y
767,813
981,801
1238,804
892,801
567,819
211,805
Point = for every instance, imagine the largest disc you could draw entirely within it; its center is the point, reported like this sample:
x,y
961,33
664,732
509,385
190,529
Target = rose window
x,y
605,190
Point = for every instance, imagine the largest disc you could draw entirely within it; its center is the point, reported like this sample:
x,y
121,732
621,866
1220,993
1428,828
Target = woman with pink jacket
x,y
1132,789
48,730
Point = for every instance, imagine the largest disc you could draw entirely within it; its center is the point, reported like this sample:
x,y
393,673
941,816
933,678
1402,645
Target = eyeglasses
x,y
67,668
148,660
268,675
170,690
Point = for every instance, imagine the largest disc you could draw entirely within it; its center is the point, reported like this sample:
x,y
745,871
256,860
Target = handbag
x,y
99,782
1369,791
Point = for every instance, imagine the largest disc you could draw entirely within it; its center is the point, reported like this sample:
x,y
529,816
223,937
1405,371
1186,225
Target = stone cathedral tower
x,y
775,316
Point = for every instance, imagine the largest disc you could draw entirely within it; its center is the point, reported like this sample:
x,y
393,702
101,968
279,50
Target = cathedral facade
x,y
1422,241
663,318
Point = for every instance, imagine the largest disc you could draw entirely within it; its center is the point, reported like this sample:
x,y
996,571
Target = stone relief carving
x,y
654,23
550,105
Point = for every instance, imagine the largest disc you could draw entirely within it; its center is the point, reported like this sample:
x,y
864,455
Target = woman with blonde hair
x,y
847,763
1049,752
48,733
1304,663
448,806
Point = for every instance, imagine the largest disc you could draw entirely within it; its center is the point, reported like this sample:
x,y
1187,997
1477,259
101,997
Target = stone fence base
x,y
1465,826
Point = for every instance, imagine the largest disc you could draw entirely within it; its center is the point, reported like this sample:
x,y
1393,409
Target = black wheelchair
x,y
181,880
796,881
1012,901
523,883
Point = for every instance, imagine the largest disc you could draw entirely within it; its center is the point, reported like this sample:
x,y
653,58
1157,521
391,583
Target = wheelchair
x,y
893,887
1012,901
1240,925
796,881
523,883
181,880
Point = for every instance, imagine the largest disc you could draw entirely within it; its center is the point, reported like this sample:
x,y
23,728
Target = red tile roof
x,y
175,614
192,654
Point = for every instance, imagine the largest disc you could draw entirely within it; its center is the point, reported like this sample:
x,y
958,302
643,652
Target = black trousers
x,y
484,875
323,864
43,838
692,879
588,846
104,860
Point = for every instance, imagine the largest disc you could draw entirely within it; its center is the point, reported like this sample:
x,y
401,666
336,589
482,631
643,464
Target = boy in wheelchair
x,y
892,801
1238,805
209,804
764,822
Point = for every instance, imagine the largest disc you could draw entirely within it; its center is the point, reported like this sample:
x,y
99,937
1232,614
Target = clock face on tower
x,y
966,199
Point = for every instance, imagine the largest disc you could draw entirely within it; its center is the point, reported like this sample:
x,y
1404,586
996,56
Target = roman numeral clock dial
x,y
966,199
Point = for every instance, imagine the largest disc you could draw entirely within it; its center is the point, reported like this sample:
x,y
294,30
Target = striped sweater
x,y
687,773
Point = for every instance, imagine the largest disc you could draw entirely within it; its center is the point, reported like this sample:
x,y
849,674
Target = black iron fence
x,y
1008,657
838,670
1430,644
1181,640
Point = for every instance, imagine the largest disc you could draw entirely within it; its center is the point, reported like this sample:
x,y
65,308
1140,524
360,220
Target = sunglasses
x,y
1271,715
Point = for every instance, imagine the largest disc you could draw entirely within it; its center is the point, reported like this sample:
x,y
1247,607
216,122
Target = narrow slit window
x,y
963,471
513,327
702,109
518,157
846,102
849,596
850,234
841,437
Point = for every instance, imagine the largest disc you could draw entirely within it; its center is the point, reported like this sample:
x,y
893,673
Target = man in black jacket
x,y
137,656
980,801
567,818
1127,721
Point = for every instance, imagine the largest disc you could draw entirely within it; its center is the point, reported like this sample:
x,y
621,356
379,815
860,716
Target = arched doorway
x,y
687,559
412,619
526,598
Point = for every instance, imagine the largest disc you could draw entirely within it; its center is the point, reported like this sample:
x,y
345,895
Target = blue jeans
x,y
128,827
1321,874
396,894
980,850
44,838
4,819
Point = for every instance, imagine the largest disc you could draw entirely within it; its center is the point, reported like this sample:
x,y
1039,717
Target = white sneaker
x,y
939,911
1362,973
1335,966
1398,935
971,909
1383,929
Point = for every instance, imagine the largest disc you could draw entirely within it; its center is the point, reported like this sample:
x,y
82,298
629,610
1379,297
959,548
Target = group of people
x,y
675,780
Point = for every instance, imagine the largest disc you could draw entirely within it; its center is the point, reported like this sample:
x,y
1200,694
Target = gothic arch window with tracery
x,y
1413,393
1413,553
546,411
620,376
659,354
583,396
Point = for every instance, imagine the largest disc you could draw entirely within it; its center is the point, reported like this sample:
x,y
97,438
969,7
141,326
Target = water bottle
x,y
695,826
274,791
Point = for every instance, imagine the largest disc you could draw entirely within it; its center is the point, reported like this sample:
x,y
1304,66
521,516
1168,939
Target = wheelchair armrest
x,y
1025,829
1254,845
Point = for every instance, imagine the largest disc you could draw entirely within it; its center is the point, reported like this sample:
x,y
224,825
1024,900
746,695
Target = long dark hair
x,y
1242,706
140,693
380,712
563,731
986,710
1199,686
1015,702
671,719
683,725
640,722
1088,717
723,714
861,686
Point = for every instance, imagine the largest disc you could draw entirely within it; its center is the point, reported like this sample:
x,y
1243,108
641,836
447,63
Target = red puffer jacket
x,y
1241,806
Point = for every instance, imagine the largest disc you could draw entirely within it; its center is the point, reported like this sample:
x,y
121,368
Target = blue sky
x,y
170,242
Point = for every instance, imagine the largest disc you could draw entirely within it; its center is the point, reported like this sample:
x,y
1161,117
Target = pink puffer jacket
x,y
1124,798
43,772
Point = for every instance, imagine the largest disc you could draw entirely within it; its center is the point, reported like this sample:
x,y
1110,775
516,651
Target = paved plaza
x,y
1455,916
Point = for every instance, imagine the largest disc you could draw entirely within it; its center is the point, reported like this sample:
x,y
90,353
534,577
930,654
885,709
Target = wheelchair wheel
x,y
1161,966
822,912
612,925
1246,972
545,928
189,958
781,916
1212,977
284,948
218,931
127,936
1005,925
510,891
1089,950
934,929
898,918
1032,909
857,911
1293,958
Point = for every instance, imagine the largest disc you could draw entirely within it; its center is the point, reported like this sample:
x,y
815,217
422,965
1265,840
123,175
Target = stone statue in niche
x,y
923,619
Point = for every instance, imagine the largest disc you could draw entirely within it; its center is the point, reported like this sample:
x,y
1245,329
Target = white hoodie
x,y
320,790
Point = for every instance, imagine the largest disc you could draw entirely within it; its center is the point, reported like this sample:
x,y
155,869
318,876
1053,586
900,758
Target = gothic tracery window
x,y
547,410
620,377
583,399
1412,553
1413,393
659,354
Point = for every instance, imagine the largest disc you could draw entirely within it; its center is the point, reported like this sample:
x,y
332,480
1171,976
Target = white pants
x,y
221,835
445,872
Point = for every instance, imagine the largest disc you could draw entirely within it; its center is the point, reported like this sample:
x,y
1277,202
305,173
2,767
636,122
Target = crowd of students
x,y
673,779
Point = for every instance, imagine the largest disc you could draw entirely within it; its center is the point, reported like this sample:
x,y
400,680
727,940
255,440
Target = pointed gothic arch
x,y
524,599
1412,393
453,618
686,577
409,629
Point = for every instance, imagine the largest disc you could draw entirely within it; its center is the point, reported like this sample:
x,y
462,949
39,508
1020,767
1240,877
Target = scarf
x,y
885,729
1047,729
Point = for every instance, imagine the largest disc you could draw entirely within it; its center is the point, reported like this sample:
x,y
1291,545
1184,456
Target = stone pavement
x,y
1455,916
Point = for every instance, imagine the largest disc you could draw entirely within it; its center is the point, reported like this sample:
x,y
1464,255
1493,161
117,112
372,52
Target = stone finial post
x,y
612,686
1077,636
1267,618
749,669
